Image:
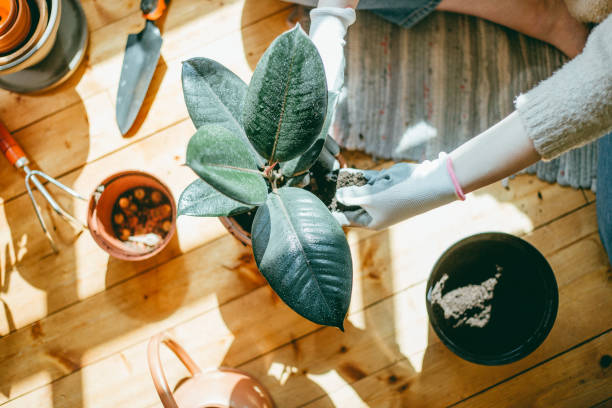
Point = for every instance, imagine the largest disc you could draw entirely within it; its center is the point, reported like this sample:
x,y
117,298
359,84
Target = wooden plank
x,y
246,335
87,131
111,22
577,378
100,14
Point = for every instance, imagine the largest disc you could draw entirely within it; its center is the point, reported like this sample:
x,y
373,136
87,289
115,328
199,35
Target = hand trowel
x,y
141,56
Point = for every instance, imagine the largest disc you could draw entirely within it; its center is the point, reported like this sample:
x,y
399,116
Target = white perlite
x,y
468,304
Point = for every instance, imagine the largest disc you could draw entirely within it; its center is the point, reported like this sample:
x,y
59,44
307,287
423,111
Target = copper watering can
x,y
217,388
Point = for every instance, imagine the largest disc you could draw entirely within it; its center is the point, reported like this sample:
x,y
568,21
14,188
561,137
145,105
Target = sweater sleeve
x,y
574,106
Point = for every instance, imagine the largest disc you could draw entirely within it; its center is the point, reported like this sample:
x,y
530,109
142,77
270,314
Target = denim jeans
x,y
604,192
405,13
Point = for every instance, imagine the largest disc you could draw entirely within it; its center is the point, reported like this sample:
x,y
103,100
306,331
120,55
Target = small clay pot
x,y
492,298
8,13
18,31
41,24
244,236
42,47
99,214
217,388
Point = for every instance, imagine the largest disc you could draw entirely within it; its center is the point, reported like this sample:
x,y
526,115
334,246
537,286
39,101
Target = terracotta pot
x,y
42,47
100,210
43,19
18,31
218,388
234,228
8,12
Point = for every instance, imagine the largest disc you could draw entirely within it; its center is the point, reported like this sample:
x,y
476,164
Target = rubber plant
x,y
252,144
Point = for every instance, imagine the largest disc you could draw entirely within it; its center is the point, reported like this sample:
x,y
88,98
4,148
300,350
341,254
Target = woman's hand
x,y
338,3
392,195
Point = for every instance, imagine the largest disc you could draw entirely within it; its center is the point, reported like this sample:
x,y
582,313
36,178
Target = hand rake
x,y
15,155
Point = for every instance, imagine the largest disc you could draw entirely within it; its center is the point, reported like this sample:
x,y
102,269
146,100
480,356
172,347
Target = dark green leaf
x,y
201,200
214,94
302,252
304,162
223,160
286,102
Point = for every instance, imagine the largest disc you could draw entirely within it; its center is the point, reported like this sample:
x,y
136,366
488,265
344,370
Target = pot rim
x,y
544,326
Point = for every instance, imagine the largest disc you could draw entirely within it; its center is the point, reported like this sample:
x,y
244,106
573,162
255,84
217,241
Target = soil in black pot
x,y
492,299
346,179
245,220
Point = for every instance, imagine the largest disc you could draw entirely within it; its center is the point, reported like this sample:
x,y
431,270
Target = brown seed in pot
x,y
125,234
133,207
165,210
124,202
156,197
139,193
166,225
119,218
133,221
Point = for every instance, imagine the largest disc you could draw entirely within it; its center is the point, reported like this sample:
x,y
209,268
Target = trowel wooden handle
x,y
157,372
153,9
10,147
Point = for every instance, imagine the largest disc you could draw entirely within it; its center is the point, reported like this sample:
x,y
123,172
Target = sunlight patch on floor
x,y
281,372
330,382
356,319
412,324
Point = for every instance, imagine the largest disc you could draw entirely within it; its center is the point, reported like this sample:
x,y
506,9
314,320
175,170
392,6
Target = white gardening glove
x,y
390,196
328,27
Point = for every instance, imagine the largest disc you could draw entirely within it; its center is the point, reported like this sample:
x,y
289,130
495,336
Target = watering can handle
x,y
157,372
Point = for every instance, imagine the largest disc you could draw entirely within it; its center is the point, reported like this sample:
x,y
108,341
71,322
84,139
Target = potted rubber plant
x,y
252,146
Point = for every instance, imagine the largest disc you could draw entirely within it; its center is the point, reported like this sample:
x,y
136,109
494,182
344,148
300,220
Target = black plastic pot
x,y
524,300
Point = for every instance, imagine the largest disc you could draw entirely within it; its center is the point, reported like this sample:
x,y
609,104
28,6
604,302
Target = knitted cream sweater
x,y
589,11
574,106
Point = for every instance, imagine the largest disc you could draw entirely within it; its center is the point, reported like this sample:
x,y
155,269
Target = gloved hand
x,y
328,27
390,196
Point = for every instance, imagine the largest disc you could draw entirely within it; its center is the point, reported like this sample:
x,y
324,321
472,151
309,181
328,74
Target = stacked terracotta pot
x,y
28,29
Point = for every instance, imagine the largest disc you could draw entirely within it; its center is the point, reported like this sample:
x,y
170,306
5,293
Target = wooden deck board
x,y
74,327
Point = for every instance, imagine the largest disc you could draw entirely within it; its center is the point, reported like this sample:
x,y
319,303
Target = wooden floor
x,y
74,326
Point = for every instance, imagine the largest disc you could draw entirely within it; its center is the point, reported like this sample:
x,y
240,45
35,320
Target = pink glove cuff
x,y
451,173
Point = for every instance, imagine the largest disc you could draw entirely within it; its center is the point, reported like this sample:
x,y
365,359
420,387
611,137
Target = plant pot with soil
x,y
492,298
132,215
261,149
